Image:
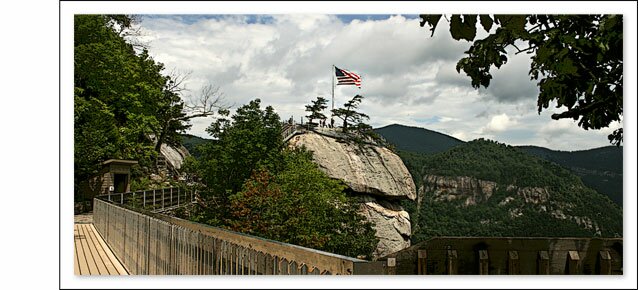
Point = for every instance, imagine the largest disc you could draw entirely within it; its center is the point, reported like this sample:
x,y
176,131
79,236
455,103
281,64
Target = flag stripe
x,y
345,77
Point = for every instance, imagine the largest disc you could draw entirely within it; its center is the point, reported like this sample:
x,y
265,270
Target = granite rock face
x,y
174,155
391,223
376,175
369,169
447,188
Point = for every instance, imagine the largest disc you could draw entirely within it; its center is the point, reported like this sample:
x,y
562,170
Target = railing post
x,y
144,195
391,264
178,196
483,262
171,203
573,260
451,263
421,262
513,263
162,198
154,199
122,198
604,263
543,263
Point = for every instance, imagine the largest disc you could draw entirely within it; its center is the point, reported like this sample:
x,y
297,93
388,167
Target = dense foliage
x,y
600,168
578,59
506,165
257,186
119,96
303,206
249,139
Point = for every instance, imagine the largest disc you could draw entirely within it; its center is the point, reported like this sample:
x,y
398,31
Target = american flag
x,y
345,77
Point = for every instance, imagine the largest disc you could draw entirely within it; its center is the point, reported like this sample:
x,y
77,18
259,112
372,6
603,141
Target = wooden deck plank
x,y
92,255
76,261
82,259
100,257
114,261
93,248
90,259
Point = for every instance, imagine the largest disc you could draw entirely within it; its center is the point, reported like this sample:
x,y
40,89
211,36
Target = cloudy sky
x,y
408,77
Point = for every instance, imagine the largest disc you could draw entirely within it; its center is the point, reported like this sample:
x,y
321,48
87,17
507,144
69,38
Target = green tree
x,y
316,108
125,107
301,205
349,114
116,90
250,138
578,59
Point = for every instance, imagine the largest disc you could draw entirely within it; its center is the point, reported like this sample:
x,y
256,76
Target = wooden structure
x,y
91,255
511,256
151,243
114,175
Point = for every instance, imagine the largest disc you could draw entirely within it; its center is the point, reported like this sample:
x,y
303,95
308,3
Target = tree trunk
x,y
161,137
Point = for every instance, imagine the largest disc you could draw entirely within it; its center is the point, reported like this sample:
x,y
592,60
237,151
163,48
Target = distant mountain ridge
x,y
486,188
599,168
417,139
191,142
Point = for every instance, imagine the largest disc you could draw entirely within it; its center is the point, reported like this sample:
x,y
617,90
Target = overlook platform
x,y
91,255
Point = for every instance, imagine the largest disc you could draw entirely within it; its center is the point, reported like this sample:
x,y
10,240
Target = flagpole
x,y
333,86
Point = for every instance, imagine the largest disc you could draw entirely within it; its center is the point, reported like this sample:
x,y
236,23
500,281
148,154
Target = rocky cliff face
x,y
174,155
377,175
471,191
366,169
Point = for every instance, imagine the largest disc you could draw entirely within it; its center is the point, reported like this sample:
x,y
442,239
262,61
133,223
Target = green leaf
x,y
456,27
486,22
463,28
431,20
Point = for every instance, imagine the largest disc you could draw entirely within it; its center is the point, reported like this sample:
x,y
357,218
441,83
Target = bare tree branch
x,y
176,81
209,100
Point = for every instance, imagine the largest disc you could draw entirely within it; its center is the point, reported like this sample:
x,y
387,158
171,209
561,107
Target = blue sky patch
x,y
428,121
347,18
266,18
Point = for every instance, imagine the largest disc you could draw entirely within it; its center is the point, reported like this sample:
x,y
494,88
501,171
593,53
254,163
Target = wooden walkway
x,y
91,255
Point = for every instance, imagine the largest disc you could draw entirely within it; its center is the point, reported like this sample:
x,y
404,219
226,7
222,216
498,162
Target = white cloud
x,y
499,123
408,77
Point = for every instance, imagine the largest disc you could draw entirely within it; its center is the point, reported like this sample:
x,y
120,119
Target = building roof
x,y
119,161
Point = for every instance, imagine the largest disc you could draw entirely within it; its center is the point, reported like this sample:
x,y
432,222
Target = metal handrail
x,y
156,200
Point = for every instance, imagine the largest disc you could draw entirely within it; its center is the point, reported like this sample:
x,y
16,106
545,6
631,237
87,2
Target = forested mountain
x,y
416,139
599,168
192,142
484,188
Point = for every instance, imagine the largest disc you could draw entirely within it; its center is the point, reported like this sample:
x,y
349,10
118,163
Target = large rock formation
x,y
375,173
174,155
364,168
